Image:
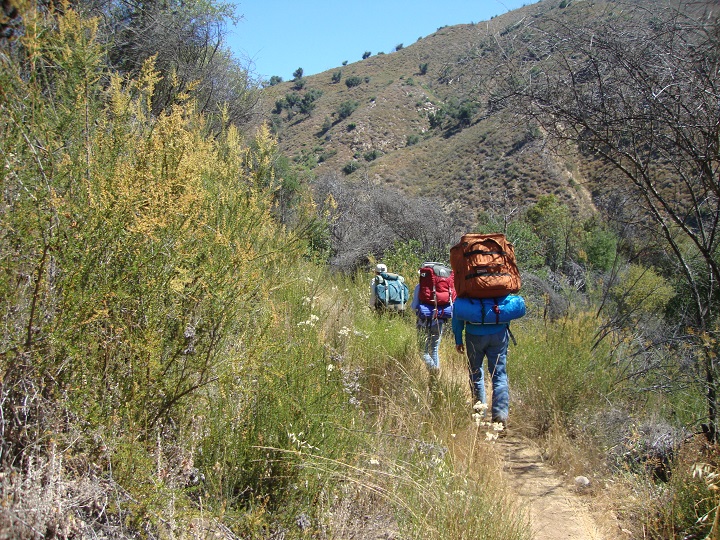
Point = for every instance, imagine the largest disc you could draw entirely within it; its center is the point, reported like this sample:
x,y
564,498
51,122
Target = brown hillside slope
x,y
390,139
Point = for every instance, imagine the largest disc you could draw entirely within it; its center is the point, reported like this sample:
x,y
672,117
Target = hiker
x,y
374,302
487,281
489,340
433,303
430,331
388,291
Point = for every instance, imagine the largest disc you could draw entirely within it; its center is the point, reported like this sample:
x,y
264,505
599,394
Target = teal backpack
x,y
391,292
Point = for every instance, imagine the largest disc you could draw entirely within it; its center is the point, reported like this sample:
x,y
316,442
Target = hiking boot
x,y
503,422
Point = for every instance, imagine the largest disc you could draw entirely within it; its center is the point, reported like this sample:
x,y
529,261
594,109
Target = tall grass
x,y
557,374
166,348
171,363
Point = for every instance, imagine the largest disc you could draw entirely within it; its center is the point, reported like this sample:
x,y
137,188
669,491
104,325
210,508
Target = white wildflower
x,y
490,436
480,407
374,461
330,367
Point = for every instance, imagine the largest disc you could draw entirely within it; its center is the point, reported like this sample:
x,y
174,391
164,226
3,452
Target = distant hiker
x,y
388,291
487,280
379,269
432,303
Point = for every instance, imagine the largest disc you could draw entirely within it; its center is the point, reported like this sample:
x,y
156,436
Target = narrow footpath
x,y
556,511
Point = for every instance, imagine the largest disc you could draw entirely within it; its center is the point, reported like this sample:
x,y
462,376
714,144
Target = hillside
x,y
422,122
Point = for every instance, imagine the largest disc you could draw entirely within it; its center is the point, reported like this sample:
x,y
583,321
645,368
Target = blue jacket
x,y
475,329
415,305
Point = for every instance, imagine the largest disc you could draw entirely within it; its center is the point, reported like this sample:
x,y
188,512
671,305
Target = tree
x,y
307,104
346,108
640,94
554,224
298,73
187,39
353,81
366,55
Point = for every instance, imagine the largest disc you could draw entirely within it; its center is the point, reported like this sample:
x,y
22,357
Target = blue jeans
x,y
429,337
494,346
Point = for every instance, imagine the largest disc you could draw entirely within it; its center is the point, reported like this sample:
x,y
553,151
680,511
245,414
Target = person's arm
x,y
416,299
458,327
373,293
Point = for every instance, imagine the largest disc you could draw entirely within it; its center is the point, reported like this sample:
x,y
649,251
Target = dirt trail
x,y
556,511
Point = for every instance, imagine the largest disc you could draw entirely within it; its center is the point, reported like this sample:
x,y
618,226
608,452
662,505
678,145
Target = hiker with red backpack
x,y
487,280
432,302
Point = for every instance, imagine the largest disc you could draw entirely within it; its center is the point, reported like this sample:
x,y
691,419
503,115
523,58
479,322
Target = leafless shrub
x,y
542,293
48,501
368,220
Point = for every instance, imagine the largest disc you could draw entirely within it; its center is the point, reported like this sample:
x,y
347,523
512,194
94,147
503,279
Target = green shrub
x,y
351,167
346,108
558,374
354,80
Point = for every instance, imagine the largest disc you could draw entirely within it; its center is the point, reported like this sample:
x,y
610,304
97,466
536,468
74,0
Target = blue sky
x,y
280,36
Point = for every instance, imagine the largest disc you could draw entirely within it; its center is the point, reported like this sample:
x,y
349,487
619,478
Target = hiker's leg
x,y
434,343
475,346
497,368
425,343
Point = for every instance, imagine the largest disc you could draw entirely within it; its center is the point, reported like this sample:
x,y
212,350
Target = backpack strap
x,y
511,335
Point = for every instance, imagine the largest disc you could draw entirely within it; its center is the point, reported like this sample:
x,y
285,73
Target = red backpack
x,y
437,285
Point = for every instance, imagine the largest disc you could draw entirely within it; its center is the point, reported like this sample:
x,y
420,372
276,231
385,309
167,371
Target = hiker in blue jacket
x,y
489,340
429,333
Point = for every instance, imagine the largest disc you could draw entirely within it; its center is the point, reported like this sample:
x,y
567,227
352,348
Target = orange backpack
x,y
484,266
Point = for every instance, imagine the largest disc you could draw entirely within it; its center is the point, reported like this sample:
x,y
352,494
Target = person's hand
x,y
460,348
